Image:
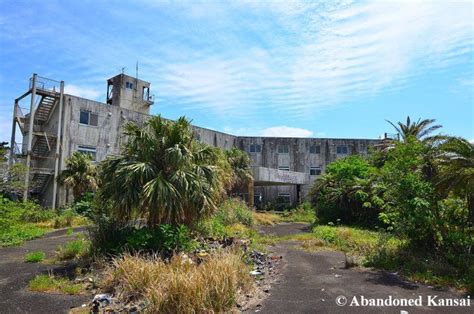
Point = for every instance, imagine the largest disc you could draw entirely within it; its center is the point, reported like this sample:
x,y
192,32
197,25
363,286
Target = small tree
x,y
80,174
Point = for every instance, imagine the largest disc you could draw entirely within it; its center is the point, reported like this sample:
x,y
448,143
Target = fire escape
x,y
41,128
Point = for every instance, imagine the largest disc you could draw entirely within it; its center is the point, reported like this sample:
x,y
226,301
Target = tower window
x,y
88,118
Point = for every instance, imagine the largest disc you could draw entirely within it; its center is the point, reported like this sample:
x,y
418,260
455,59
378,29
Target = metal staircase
x,y
40,153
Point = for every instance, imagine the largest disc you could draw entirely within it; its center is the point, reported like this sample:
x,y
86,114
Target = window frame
x,y
286,168
89,118
316,169
283,151
342,148
317,149
283,195
253,148
88,150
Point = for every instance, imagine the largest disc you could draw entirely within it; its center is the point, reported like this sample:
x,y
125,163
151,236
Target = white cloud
x,y
82,91
285,131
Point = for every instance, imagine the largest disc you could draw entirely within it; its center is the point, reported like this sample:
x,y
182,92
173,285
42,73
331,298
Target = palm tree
x,y
80,174
240,164
163,175
456,170
419,129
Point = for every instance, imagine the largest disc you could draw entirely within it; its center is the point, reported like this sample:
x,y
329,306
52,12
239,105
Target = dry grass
x,y
266,219
179,286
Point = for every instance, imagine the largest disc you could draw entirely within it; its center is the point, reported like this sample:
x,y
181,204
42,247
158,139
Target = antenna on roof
x,y
123,70
137,70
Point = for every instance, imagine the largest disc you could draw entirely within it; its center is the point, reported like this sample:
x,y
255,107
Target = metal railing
x,y
46,84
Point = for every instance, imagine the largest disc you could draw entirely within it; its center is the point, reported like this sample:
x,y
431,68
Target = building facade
x,y
58,124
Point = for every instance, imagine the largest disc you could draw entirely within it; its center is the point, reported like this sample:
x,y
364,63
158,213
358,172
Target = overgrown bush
x,y
232,211
166,239
345,193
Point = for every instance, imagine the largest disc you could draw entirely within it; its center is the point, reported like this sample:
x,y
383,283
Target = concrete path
x,y
15,275
314,282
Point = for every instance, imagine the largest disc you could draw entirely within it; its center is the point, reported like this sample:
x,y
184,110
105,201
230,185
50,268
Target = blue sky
x,y
277,68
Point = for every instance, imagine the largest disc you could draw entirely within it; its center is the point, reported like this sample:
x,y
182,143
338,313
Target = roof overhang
x,y
263,176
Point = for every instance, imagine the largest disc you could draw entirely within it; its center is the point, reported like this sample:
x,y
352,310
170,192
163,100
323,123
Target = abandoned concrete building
x,y
54,125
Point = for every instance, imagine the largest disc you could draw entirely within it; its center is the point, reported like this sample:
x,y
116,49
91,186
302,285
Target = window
x,y
91,151
315,149
284,198
284,168
341,150
129,85
89,118
255,148
283,149
314,171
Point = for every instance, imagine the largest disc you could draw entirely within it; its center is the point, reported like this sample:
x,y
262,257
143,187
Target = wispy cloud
x,y
85,92
244,61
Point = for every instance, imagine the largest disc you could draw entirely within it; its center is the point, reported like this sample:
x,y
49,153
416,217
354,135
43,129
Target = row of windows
x,y
313,149
313,170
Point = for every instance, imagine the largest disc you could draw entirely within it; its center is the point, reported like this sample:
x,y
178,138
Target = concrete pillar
x,y
251,194
58,145
30,136
13,138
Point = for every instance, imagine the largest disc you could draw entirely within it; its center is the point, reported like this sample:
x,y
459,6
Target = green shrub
x,y
85,206
35,213
35,257
232,211
107,238
74,249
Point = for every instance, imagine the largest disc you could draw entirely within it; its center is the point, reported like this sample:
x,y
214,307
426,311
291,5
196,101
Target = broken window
x,y
341,150
89,118
255,148
91,151
284,198
315,171
129,85
283,149
315,149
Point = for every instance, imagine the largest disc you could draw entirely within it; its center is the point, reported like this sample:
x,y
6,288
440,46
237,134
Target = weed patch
x,y
35,257
50,283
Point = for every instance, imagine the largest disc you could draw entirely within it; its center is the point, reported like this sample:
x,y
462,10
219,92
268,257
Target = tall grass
x,y
179,286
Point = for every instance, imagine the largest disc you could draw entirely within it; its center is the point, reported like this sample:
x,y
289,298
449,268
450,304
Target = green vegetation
x,y
75,249
35,257
50,283
80,174
25,221
418,190
15,224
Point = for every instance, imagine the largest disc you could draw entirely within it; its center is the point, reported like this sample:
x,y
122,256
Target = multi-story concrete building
x,y
57,124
